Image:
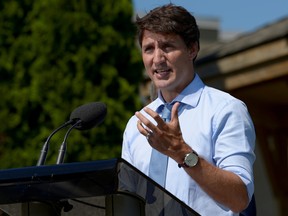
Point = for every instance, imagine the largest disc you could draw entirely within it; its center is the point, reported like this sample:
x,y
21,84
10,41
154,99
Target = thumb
x,y
174,111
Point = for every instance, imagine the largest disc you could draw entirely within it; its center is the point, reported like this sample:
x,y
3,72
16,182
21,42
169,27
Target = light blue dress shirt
x,y
217,126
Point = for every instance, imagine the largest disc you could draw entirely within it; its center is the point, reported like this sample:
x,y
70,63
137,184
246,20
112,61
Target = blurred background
x,y
56,55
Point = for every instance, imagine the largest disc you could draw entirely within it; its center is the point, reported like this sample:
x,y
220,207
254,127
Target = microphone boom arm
x,y
62,150
43,155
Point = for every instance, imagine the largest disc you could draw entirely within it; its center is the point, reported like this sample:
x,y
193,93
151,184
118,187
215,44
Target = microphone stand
x,y
45,147
63,147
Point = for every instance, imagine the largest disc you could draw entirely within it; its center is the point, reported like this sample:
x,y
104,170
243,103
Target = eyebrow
x,y
160,42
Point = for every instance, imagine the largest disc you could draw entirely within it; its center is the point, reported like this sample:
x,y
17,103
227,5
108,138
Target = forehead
x,y
152,37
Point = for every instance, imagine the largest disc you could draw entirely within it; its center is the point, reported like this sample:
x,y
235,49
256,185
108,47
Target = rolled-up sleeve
x,y
234,141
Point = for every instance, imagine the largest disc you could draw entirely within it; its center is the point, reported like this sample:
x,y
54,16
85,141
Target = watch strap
x,y
184,165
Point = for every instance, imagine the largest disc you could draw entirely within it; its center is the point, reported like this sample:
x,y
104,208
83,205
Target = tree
x,y
55,56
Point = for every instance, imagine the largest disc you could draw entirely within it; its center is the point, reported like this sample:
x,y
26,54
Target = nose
x,y
159,56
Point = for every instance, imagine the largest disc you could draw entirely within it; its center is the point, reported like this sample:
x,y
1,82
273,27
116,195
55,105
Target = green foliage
x,y
56,55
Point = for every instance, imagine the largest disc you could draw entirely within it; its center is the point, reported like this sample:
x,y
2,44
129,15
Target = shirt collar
x,y
190,95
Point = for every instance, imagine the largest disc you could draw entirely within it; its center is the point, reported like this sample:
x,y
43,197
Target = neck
x,y
169,95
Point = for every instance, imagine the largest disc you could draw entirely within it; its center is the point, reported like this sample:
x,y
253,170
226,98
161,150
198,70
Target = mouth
x,y
162,72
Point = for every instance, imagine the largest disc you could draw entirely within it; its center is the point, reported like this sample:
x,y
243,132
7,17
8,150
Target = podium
x,y
106,187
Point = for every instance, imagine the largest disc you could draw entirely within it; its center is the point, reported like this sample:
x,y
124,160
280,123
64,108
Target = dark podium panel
x,y
106,187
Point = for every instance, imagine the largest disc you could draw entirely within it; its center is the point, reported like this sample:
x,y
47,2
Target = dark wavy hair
x,y
170,19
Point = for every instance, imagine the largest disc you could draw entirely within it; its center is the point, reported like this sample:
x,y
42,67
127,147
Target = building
x,y
254,68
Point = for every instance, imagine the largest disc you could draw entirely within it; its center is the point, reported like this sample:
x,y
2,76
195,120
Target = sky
x,y
239,16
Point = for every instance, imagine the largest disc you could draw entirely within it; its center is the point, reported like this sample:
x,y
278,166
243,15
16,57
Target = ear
x,y
193,50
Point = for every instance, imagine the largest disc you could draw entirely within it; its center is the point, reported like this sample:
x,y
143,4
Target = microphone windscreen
x,y
90,114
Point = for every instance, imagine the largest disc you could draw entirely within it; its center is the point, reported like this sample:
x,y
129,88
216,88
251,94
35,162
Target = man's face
x,y
168,62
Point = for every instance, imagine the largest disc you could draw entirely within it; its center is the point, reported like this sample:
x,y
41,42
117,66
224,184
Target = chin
x,y
162,87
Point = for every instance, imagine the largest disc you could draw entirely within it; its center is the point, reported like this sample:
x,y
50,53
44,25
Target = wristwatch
x,y
190,160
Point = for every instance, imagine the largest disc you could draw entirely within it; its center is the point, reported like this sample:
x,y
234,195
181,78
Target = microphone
x,y
90,114
84,117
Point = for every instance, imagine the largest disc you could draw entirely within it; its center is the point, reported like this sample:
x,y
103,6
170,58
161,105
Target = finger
x,y
141,129
144,131
142,119
155,116
152,113
147,123
174,111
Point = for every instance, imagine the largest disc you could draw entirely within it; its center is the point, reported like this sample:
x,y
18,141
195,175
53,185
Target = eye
x,y
167,47
148,49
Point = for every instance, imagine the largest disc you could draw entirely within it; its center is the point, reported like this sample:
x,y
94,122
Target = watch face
x,y
191,159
